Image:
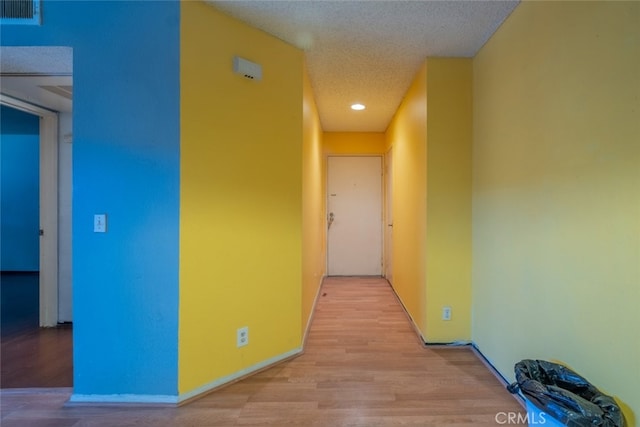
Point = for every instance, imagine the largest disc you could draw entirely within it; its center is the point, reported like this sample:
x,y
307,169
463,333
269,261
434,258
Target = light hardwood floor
x,y
363,366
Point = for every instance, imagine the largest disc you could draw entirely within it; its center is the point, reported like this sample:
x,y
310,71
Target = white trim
x,y
238,375
18,104
162,399
496,373
387,224
48,206
124,398
313,312
49,220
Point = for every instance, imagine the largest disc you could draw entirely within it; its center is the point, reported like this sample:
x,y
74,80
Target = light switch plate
x,y
100,223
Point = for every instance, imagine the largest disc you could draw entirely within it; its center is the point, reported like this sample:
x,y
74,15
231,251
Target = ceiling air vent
x,y
24,12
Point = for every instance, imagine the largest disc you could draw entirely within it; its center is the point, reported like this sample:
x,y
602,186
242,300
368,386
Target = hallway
x,y
363,366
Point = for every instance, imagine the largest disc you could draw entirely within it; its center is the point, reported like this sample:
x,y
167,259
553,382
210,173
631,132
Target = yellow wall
x,y
354,143
448,251
313,204
407,136
430,136
241,199
556,192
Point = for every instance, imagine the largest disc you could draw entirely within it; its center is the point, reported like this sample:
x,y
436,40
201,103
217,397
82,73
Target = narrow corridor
x,y
363,366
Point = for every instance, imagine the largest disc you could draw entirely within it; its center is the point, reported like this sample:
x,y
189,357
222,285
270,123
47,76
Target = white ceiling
x,y
38,75
363,51
49,60
369,51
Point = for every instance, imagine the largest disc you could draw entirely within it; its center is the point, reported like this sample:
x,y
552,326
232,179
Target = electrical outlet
x,y
446,313
243,336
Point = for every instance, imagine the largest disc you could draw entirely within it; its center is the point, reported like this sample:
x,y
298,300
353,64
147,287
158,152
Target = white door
x,y
354,205
388,229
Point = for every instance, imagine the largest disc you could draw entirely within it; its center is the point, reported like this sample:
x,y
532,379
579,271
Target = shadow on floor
x,y
20,300
31,356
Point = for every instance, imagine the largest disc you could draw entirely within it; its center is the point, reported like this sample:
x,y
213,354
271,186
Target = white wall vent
x,y
246,68
21,12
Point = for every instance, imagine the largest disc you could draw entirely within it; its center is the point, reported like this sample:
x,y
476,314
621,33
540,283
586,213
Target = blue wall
x,y
126,158
19,191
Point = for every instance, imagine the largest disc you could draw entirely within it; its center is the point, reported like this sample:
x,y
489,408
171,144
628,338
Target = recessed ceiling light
x,y
358,107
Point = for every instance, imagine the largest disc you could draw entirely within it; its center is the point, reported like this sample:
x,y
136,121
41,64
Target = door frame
x,y
382,210
387,236
48,206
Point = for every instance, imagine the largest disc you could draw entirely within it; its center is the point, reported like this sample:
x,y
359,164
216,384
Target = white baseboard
x,y
238,375
105,399
150,399
496,373
313,312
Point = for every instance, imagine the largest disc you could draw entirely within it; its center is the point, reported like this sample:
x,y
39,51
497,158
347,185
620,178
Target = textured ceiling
x,y
370,51
40,60
39,75
356,51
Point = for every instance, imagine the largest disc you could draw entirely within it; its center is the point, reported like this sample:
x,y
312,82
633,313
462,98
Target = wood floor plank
x,y
37,357
362,366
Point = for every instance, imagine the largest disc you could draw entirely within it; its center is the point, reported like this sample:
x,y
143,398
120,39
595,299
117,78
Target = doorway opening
x,y
354,206
32,90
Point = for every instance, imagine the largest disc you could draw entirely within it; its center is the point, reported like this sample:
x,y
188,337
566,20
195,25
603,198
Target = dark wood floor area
x,y
31,356
39,357
363,366
19,301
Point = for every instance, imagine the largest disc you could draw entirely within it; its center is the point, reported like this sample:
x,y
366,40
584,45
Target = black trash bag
x,y
565,395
